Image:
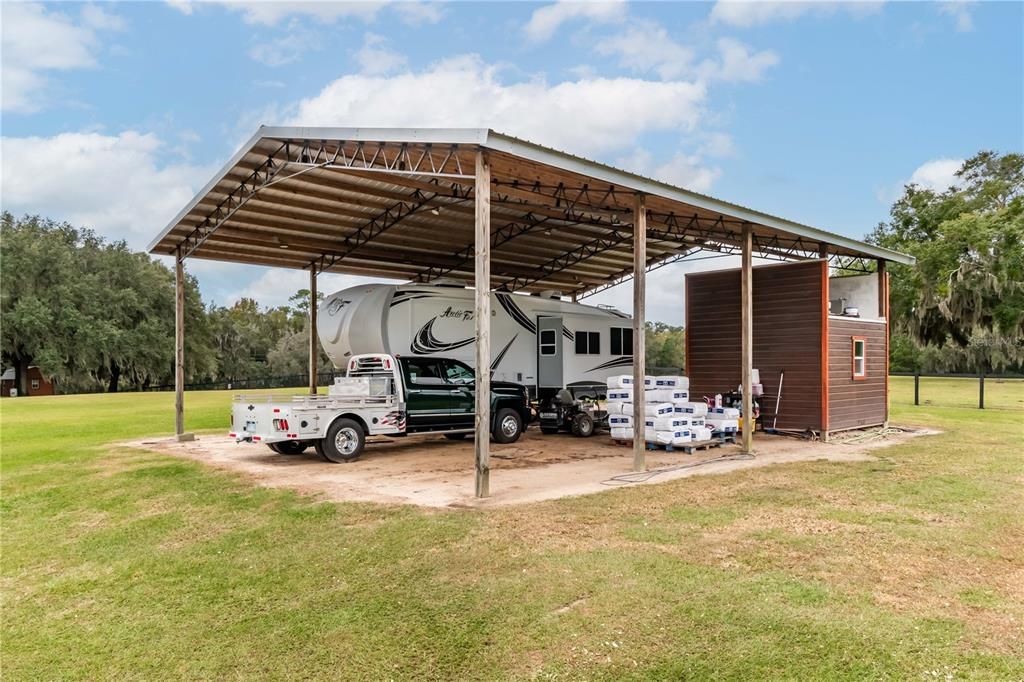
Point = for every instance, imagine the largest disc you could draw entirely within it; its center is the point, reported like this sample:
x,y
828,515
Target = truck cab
x,y
380,395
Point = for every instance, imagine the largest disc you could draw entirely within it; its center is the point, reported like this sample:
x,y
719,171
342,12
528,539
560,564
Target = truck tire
x,y
289,447
344,442
455,436
582,425
508,426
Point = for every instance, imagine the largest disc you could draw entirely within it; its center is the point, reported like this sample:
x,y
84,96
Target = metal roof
x,y
398,203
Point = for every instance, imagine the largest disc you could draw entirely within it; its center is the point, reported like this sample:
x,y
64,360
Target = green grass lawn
x,y
119,562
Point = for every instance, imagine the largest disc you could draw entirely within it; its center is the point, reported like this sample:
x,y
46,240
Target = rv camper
x,y
540,341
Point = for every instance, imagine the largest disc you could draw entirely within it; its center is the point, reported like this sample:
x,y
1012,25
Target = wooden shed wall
x,y
788,335
856,402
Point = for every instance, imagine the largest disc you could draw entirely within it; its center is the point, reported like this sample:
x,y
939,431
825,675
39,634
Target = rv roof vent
x,y
551,293
606,306
449,282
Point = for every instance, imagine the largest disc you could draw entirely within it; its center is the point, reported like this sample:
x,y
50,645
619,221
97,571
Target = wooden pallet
x,y
694,446
688,448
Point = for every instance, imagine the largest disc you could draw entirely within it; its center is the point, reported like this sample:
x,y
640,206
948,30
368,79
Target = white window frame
x,y
862,372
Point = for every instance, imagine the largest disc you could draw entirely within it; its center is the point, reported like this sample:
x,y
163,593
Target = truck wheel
x,y
508,426
549,430
583,425
454,436
344,441
289,447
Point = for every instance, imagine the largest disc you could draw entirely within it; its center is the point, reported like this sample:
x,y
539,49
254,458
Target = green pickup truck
x,y
381,395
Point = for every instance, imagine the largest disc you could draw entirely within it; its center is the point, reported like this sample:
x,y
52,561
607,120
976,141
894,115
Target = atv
x,y
575,409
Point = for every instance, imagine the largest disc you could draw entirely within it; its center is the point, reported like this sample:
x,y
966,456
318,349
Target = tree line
x,y
96,316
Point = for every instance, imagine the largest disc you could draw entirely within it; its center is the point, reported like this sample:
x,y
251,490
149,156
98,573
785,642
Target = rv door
x,y
549,352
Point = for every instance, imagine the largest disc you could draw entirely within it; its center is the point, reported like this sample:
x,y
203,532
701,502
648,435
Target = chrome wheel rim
x,y
346,441
509,427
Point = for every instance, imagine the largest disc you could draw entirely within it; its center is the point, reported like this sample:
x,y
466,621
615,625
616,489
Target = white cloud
x,y
588,115
736,63
36,40
747,13
545,21
688,171
419,13
114,184
960,10
287,47
937,175
375,58
270,12
646,46
717,144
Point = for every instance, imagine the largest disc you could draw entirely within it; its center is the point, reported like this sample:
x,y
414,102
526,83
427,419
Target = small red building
x,y
37,383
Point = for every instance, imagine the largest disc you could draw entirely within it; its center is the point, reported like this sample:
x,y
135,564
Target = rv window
x,y
588,343
860,369
622,341
548,342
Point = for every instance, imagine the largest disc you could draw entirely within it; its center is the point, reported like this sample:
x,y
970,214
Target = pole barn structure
x,y
421,204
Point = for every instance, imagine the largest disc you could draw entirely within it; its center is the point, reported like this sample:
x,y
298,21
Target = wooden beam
x,y
883,311
747,339
482,316
179,348
313,349
639,347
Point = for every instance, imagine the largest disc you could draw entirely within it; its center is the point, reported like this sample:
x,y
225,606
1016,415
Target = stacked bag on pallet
x,y
665,423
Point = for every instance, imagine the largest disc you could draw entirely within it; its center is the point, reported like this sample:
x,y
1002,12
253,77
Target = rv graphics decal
x,y
501,355
517,314
425,343
624,361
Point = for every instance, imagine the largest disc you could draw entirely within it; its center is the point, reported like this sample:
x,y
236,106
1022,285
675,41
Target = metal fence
x,y
981,391
289,381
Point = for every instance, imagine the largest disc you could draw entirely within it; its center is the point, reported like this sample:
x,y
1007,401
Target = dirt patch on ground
x,y
434,472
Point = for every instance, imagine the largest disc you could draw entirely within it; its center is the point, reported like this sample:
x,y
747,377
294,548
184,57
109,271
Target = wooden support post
x,y
482,315
313,349
639,329
981,390
917,387
179,348
883,312
747,339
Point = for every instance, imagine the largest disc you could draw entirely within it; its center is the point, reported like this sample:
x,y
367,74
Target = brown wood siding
x,y
856,402
787,336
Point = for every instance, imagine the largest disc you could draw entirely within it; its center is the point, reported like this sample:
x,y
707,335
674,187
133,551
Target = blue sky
x,y
115,113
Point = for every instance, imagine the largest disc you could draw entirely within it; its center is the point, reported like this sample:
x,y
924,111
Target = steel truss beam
x,y
653,264
307,155
383,221
569,258
852,264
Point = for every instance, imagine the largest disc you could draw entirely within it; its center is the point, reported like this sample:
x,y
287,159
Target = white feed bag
x,y
672,382
723,424
620,381
727,412
622,433
618,407
649,381
620,395
670,423
620,420
699,409
696,421
658,409
701,433
658,395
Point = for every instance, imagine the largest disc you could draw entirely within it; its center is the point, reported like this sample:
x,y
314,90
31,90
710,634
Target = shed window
x,y
548,342
859,350
622,341
588,343
35,384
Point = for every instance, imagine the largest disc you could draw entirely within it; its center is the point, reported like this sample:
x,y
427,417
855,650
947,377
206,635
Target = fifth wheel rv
x,y
541,341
